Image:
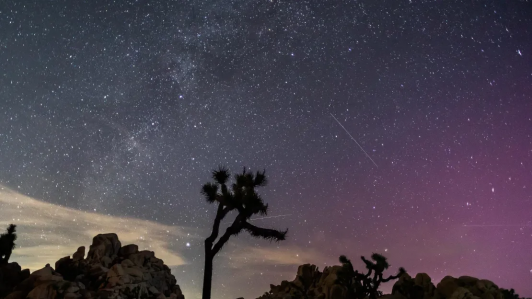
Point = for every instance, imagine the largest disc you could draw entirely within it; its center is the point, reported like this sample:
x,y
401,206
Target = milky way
x,y
121,109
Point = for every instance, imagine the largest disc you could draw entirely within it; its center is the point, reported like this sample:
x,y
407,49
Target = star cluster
x,y
122,108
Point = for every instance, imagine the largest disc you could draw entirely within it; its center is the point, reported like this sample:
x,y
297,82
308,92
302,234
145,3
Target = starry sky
x,y
400,127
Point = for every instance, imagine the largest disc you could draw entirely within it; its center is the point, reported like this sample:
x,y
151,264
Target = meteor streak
x,y
354,139
260,218
497,225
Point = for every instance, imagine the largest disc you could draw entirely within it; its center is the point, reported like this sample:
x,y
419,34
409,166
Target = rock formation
x,y
310,283
109,271
464,287
11,275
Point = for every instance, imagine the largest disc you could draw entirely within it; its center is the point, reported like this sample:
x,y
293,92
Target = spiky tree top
x,y
10,236
11,229
379,263
242,197
365,285
7,243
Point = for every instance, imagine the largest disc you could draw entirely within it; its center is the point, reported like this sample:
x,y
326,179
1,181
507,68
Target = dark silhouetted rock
x,y
11,275
79,254
127,250
310,283
17,295
105,273
104,245
464,287
420,287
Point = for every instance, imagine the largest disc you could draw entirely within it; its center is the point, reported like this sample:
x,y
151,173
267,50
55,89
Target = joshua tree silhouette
x,y
7,243
364,285
246,201
511,294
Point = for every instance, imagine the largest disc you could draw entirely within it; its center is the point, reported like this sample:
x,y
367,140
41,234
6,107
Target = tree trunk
x,y
207,275
8,256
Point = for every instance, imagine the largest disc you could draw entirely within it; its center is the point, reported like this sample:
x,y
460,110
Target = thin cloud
x,y
48,232
282,256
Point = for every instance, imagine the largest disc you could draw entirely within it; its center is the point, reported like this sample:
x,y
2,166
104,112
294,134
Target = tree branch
x,y
220,214
234,229
265,233
369,273
401,272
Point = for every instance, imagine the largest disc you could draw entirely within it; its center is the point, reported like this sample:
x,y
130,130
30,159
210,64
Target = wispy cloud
x,y
48,232
282,256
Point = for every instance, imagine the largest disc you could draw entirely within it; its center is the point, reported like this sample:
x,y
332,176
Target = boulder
x,y
45,290
17,295
405,287
106,261
104,245
11,274
462,293
71,296
63,262
487,290
127,250
127,263
79,254
134,272
153,290
68,268
47,271
24,274
46,274
96,271
26,285
310,283
467,281
338,292
306,275
424,283
72,289
116,271
447,286
141,258
328,279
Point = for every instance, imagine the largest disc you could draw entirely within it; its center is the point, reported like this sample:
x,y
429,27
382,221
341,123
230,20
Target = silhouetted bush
x,y
511,294
7,244
361,285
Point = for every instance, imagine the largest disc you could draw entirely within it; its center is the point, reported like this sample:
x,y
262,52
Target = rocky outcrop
x,y
464,287
11,274
310,283
109,271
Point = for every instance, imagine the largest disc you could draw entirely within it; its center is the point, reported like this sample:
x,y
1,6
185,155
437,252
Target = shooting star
x,y
497,225
267,217
353,139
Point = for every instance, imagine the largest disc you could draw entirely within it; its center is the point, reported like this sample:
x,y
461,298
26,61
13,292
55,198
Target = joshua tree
x,y
242,198
7,243
509,294
361,285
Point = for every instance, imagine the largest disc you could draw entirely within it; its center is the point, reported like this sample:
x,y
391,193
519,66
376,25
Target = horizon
x,y
34,255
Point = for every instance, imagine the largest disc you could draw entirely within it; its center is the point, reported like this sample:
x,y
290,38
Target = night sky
x,y
114,113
